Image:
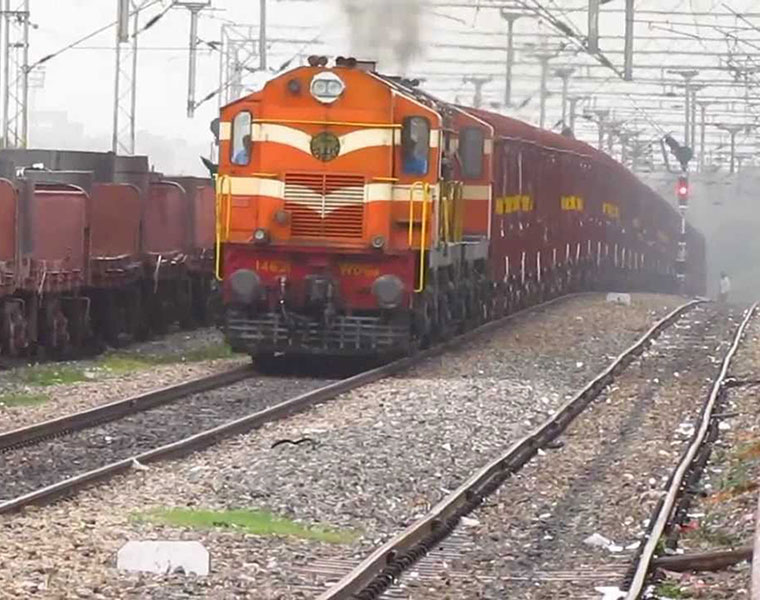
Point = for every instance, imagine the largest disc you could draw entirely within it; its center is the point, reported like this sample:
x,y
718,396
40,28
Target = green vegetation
x,y
126,362
112,363
51,374
256,522
669,589
22,399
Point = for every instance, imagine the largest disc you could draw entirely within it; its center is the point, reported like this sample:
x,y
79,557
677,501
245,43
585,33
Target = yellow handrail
x,y
220,196
446,201
423,227
423,236
412,189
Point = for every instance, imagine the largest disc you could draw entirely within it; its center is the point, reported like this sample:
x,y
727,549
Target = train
x,y
97,249
358,215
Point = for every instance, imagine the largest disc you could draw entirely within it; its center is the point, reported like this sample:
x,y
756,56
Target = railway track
x,y
56,458
673,506
444,552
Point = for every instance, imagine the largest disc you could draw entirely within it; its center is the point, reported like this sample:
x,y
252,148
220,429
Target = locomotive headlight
x,y
388,291
261,236
327,87
378,242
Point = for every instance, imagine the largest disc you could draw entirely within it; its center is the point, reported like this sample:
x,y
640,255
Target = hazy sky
x,y
80,81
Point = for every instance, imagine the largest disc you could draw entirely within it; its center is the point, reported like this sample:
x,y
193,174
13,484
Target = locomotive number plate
x,y
325,146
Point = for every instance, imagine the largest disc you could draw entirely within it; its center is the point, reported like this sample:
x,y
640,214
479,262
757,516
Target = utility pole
x,y
613,129
687,76
573,109
478,82
16,73
628,53
263,35
543,59
695,89
593,25
732,130
125,80
510,18
195,7
564,74
703,104
601,115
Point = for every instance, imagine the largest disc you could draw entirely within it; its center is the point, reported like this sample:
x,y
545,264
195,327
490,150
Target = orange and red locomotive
x,y
357,214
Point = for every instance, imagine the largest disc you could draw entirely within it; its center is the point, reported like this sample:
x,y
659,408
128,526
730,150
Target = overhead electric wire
x,y
89,36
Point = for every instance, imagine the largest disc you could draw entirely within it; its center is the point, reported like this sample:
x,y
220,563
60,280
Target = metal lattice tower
x,y
16,73
125,84
239,59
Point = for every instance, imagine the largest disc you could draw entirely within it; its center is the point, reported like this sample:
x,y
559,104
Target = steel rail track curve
x,y
384,566
675,484
112,411
211,436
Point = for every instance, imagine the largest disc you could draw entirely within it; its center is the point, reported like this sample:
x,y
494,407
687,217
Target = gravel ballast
x,y
379,458
50,461
570,522
723,515
159,363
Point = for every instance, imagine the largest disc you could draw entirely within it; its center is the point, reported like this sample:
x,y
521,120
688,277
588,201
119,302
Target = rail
x,y
377,572
674,488
755,589
25,436
247,423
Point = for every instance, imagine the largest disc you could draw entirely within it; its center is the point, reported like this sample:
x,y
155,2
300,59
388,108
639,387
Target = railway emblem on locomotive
x,y
325,146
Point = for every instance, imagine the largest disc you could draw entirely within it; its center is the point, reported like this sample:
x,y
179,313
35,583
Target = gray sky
x,y
80,81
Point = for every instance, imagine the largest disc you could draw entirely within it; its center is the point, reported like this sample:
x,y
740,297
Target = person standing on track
x,y
724,288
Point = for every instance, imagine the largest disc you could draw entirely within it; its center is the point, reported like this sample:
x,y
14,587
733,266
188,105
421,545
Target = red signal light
x,y
682,191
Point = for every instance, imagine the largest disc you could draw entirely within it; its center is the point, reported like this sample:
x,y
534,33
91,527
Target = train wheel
x,y
76,311
423,319
185,298
54,330
110,325
157,312
14,337
137,324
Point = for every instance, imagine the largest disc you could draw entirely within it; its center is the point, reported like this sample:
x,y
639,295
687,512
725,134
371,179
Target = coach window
x,y
241,139
415,145
471,142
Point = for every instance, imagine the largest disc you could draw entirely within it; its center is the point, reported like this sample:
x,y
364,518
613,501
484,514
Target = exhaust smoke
x,y
385,30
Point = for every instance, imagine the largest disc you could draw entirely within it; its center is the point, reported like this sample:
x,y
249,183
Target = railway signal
x,y
682,191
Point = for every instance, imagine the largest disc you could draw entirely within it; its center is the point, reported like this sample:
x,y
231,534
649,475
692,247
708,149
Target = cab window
x,y
471,141
415,145
241,139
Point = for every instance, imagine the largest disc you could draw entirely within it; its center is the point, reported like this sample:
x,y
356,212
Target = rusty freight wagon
x,y
95,243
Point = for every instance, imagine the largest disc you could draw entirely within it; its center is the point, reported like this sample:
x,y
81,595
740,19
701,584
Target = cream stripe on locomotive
x,y
225,131
254,186
360,139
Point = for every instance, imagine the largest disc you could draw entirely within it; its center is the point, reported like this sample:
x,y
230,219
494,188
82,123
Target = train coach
x,y
95,247
359,215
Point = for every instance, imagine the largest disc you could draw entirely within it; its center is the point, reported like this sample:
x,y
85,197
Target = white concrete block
x,y
163,557
619,299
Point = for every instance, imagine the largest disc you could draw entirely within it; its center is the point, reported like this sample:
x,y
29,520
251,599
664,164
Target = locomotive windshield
x,y
471,152
416,145
241,139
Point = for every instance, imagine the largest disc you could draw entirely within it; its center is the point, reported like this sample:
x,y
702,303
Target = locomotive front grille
x,y
325,205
